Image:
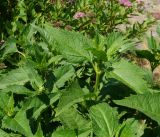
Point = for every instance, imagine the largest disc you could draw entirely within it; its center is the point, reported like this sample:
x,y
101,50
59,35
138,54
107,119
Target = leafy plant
x,y
57,82
60,84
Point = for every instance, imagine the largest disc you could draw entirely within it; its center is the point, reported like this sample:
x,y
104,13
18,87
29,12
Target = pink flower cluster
x,y
78,15
125,3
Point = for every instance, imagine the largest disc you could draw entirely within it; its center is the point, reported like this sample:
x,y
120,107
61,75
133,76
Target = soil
x,y
151,9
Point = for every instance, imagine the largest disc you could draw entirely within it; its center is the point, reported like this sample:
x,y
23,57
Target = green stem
x,y
97,82
21,54
91,135
98,73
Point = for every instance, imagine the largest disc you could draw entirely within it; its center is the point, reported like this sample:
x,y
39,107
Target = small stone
x,y
2,66
156,75
144,63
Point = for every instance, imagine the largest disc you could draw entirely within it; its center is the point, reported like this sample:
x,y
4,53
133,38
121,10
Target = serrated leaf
x,y
131,128
9,48
20,76
17,89
40,103
10,106
116,42
130,75
64,133
71,119
19,123
40,109
55,60
7,103
39,132
4,134
72,95
104,120
3,100
63,74
34,77
98,54
14,77
85,132
71,45
145,103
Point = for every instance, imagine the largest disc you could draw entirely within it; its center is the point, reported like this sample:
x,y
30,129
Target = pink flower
x,y
125,3
78,15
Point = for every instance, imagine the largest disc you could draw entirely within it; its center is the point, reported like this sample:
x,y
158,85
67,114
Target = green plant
x,y
103,17
60,83
151,52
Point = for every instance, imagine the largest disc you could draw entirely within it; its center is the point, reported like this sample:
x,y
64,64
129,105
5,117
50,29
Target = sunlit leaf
x,y
72,95
104,120
146,103
131,75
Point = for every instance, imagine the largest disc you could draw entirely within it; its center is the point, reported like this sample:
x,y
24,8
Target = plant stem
x,y
97,82
21,54
98,73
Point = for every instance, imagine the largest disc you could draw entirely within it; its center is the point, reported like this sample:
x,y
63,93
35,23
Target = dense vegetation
x,y
68,69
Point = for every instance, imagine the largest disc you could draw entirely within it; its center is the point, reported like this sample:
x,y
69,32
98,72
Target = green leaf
x,y
4,98
19,123
60,132
14,77
41,108
104,120
116,42
22,10
7,103
71,119
145,103
131,128
55,60
158,29
130,75
72,95
63,74
152,44
10,106
9,48
20,76
39,132
98,54
4,134
85,132
34,77
71,45
17,89
40,103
